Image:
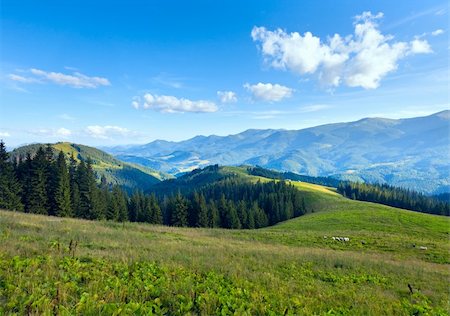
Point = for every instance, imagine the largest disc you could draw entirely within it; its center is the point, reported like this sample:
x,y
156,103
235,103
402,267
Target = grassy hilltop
x,y
53,265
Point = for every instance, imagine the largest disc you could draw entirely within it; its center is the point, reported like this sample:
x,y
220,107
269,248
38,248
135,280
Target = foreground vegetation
x,y
60,265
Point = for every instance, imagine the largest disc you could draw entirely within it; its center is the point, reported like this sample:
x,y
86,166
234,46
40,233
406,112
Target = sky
x,y
105,73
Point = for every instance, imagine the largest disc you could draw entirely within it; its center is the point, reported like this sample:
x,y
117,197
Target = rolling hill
x,y
128,175
409,153
395,263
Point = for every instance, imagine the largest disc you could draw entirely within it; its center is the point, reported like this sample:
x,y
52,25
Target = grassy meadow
x,y
65,266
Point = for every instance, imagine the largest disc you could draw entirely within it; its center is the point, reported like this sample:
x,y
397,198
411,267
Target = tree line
x,y
49,184
235,203
272,174
394,196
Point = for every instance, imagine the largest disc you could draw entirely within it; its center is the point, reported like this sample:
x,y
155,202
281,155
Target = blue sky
x,y
119,72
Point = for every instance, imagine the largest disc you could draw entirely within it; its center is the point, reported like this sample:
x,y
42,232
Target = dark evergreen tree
x,y
37,201
62,193
74,188
202,212
10,188
156,216
179,210
213,214
135,207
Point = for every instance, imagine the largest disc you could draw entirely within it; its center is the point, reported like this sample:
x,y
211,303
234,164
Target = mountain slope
x,y
128,175
406,152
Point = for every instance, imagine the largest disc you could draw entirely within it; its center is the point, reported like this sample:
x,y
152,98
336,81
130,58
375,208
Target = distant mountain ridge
x,y
412,152
128,175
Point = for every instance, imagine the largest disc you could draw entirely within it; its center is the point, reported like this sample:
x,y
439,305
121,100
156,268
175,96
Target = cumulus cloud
x,y
75,80
358,60
171,104
437,32
269,92
420,47
107,132
227,96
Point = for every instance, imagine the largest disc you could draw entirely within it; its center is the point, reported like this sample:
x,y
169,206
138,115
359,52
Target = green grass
x,y
289,268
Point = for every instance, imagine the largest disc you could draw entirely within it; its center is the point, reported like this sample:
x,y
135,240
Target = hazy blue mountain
x,y
410,152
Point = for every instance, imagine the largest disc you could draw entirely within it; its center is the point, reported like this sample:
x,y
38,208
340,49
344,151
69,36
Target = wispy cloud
x,y
168,80
172,104
439,10
66,117
272,114
314,108
22,79
437,32
359,60
74,80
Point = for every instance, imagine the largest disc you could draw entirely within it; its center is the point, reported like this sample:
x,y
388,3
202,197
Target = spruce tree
x,y
84,209
63,205
179,208
157,216
121,200
52,181
37,200
74,188
10,188
213,215
202,211
242,213
97,210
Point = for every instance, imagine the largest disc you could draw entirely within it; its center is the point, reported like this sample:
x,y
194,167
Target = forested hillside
x,y
42,184
115,172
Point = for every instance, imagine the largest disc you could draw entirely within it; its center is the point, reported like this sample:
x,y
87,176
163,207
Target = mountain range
x,y
412,153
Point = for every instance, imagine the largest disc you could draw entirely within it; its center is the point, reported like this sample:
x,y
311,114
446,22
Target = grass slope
x,y
118,172
289,268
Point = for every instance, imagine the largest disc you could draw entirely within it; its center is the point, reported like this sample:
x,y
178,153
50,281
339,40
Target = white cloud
x,y
22,79
63,132
361,59
227,96
75,80
51,132
107,132
171,104
4,134
269,92
420,47
437,32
